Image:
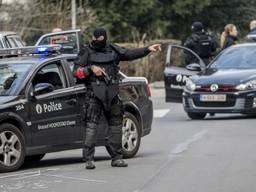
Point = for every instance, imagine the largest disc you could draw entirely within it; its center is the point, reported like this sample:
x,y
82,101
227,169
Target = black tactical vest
x,y
108,60
203,44
107,87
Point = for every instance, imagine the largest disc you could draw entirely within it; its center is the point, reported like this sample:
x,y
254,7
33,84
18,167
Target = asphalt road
x,y
180,155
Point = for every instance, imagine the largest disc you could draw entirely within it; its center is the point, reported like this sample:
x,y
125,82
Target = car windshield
x,y
236,58
10,77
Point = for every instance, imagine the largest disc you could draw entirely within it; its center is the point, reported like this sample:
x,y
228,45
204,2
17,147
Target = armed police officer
x,y
200,42
97,67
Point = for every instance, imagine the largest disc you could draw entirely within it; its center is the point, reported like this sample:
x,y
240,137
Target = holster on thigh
x,y
93,111
90,134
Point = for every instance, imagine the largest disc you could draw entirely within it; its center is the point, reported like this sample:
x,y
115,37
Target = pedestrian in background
x,y
251,37
200,42
228,36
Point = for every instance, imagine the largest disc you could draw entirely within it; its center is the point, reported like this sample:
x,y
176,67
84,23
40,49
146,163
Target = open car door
x,y
69,40
181,63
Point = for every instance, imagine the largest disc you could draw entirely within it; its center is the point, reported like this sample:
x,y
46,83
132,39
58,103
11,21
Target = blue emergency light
x,y
42,49
31,50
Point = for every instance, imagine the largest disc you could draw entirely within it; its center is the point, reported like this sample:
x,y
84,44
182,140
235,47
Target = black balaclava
x,y
197,27
99,44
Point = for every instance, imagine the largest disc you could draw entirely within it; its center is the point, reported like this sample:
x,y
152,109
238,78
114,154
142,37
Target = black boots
x,y
89,165
114,163
119,163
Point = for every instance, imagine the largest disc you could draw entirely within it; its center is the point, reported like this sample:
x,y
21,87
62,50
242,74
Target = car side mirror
x,y
193,67
42,88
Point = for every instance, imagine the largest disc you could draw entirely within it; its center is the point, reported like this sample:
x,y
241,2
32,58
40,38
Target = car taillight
x,y
148,90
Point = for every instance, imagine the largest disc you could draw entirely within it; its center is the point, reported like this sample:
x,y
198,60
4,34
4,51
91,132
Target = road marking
x,y
25,177
19,174
159,113
38,173
180,148
75,178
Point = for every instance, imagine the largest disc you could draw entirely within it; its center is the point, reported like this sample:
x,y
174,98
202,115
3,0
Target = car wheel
x,y
34,158
12,148
131,135
196,115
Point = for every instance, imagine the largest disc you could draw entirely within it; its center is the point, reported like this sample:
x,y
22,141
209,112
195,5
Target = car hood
x,y
7,99
220,76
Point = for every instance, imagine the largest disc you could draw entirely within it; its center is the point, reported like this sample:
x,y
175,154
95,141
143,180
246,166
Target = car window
x,y
18,41
12,42
53,74
7,43
68,42
11,75
181,57
236,58
1,45
71,65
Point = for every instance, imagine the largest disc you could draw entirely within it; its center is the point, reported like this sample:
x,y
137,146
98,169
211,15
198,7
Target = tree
x,y
130,19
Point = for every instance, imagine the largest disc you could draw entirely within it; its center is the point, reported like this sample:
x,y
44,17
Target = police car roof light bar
x,y
31,50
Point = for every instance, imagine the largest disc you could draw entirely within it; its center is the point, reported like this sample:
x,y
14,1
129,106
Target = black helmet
x,y
197,26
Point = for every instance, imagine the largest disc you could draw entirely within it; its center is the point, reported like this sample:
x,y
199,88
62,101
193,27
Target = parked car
x,y
41,107
227,85
10,39
69,40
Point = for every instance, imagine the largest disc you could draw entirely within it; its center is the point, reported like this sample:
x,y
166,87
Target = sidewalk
x,y
157,89
157,85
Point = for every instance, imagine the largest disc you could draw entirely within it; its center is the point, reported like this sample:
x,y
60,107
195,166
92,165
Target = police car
x,y
227,85
41,107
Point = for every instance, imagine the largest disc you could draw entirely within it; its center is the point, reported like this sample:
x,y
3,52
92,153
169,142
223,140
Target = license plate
x,y
213,98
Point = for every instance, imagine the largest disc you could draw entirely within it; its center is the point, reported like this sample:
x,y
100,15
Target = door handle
x,y
71,101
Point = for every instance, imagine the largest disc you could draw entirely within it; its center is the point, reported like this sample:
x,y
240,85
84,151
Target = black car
x,y
41,109
227,85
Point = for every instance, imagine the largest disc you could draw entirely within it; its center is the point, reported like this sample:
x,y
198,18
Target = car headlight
x,y
190,85
250,85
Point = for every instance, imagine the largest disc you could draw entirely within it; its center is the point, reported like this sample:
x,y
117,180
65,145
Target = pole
x,y
73,13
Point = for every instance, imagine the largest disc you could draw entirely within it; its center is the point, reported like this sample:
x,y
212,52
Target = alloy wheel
x,y
10,148
130,135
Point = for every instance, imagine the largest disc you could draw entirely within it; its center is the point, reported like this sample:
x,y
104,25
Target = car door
x,y
69,40
176,73
54,116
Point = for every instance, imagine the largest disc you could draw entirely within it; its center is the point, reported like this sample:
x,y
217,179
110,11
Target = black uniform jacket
x,y
123,54
229,41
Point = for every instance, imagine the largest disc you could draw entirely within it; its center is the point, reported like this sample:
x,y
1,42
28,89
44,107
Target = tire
x,y
196,115
133,132
34,158
12,148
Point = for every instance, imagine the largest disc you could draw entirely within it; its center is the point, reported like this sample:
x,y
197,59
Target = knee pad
x,y
90,135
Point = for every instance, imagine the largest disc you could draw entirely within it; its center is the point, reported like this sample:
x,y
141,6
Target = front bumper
x,y
237,102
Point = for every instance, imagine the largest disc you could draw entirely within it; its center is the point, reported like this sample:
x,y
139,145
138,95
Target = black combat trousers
x,y
94,110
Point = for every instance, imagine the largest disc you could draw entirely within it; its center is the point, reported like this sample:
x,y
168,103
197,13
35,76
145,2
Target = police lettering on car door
x,y
48,107
180,82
